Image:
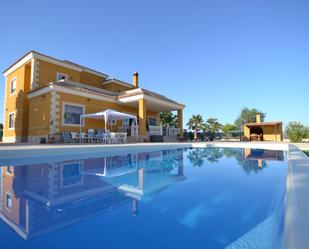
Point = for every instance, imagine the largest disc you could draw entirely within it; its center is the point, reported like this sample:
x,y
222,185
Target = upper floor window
x,y
61,76
13,86
11,120
72,114
8,201
152,121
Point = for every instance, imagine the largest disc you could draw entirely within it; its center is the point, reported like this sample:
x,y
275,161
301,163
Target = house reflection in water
x,y
41,198
260,155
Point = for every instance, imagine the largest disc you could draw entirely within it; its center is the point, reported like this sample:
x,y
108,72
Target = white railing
x,y
172,132
155,130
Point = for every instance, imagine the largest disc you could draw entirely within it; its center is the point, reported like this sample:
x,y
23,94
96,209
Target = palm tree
x,y
212,126
195,123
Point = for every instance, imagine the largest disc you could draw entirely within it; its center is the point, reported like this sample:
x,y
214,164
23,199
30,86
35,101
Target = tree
x,y
228,128
212,126
1,126
295,131
195,123
168,119
247,116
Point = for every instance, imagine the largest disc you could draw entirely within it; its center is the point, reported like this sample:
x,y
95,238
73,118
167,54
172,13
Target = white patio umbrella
x,y
107,115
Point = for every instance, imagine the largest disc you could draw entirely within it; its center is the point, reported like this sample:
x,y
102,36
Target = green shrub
x,y
296,132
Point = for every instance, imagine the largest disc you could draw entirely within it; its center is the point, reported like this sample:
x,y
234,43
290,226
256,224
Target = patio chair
x,y
125,138
66,137
121,137
100,131
75,137
92,136
101,136
84,137
111,138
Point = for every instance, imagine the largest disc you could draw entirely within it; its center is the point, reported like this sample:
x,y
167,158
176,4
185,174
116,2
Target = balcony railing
x,y
172,132
155,130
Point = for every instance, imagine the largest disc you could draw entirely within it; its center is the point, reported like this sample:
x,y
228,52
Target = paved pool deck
x,y
7,147
297,187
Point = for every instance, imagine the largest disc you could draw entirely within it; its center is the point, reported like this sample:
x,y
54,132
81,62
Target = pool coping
x,y
297,187
297,200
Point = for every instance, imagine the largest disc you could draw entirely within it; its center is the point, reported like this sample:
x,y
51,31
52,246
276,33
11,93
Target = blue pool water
x,y
178,198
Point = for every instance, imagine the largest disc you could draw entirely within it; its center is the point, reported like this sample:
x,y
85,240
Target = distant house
x,y
263,131
45,95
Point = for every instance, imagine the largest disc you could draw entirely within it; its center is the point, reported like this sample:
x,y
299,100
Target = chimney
x,y
258,118
135,79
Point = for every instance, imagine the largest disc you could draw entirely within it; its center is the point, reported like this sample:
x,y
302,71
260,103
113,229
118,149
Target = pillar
x,y
142,112
180,122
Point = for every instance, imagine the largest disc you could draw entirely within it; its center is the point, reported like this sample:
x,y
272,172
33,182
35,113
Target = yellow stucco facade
x,y
272,132
40,97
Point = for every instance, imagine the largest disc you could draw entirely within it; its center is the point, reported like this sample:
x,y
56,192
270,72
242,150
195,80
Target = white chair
x,y
101,136
84,137
122,137
125,138
111,138
75,137
92,137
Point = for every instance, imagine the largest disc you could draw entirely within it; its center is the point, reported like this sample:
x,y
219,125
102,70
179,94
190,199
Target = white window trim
x,y
62,74
8,209
72,125
7,172
81,167
14,78
12,128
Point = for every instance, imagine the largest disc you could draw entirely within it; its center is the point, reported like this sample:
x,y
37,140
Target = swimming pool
x,y
171,198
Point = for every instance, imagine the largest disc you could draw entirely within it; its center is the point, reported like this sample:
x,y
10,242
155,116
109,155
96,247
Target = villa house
x,y
263,131
46,96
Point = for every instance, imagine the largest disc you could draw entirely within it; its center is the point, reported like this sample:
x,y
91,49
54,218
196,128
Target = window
x,y
152,121
61,76
8,201
13,86
11,120
128,121
71,174
72,114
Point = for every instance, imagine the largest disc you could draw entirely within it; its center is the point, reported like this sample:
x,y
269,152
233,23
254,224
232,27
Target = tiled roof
x,y
85,88
105,93
53,58
263,123
81,88
147,92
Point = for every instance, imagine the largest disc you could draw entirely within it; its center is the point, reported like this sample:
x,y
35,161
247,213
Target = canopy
x,y
109,115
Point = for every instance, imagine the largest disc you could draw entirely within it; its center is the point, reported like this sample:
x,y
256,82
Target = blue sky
x,y
214,56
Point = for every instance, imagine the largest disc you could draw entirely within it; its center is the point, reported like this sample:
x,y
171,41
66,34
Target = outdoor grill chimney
x,y
135,79
258,118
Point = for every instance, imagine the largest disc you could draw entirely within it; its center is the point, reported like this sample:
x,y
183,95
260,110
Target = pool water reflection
x,y
180,198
